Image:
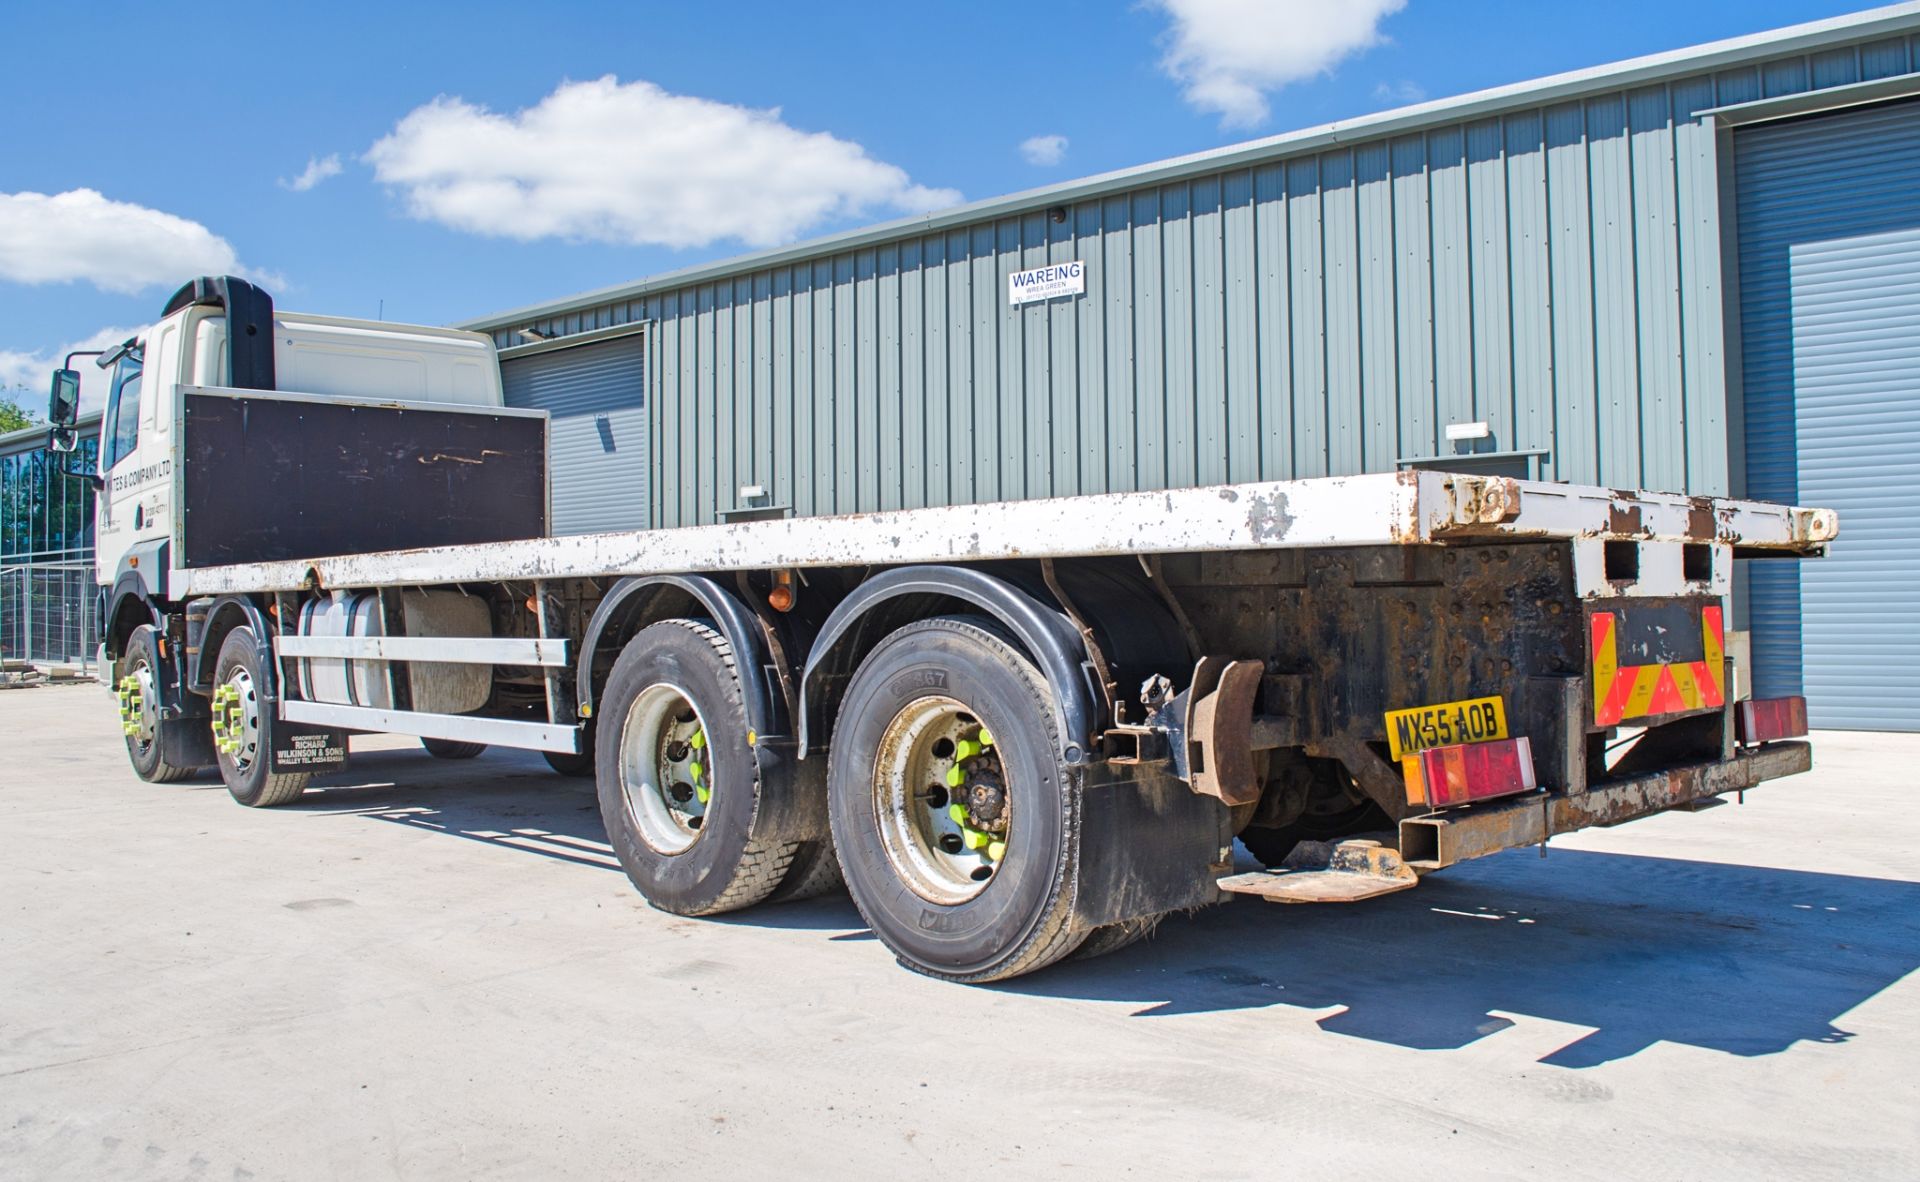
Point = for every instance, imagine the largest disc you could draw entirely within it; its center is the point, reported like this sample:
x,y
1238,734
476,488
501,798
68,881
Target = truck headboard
x,y
274,476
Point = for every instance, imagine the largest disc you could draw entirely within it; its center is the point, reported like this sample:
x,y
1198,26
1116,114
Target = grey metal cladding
x,y
1829,252
1550,266
598,456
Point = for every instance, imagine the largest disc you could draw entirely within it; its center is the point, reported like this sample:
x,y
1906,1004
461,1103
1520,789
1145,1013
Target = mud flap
x,y
187,742
1148,844
793,793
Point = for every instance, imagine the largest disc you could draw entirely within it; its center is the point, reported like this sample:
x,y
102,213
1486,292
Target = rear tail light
x,y
1442,776
1765,719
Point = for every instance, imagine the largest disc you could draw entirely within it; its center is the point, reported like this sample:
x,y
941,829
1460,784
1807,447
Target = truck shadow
x,y
1626,949
1637,950
504,798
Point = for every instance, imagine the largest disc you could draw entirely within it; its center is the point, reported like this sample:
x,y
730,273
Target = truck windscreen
x,y
122,420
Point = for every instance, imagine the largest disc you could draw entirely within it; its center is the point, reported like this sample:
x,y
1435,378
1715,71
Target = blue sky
x,y
507,173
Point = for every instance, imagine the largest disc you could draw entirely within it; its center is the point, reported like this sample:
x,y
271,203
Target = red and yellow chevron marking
x,y
1642,691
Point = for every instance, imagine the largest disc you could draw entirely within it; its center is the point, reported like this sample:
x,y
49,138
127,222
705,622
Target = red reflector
x,y
1441,776
1765,719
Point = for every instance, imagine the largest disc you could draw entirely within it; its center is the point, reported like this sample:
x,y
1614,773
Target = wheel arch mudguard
x,y
138,594
1042,629
797,810
128,607
633,603
223,616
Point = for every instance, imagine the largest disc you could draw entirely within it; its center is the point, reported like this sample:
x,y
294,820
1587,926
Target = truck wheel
x,y
815,872
240,726
679,787
568,763
137,681
1113,937
952,811
451,748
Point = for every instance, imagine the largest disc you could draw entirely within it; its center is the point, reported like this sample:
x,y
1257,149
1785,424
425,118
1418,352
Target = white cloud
x,y
114,245
633,164
1401,93
24,376
1044,150
319,168
1227,54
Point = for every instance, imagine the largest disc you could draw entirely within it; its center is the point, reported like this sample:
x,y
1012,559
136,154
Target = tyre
x,y
679,786
137,681
241,723
451,748
815,872
1113,937
955,819
568,763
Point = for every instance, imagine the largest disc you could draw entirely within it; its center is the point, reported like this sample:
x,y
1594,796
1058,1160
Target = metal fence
x,y
48,610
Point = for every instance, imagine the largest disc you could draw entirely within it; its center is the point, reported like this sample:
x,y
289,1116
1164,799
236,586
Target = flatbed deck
x,y
1401,508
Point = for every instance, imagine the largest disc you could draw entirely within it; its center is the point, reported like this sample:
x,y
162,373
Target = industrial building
x,y
1694,271
47,604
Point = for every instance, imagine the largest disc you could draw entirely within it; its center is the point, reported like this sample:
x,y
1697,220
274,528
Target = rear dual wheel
x,y
951,806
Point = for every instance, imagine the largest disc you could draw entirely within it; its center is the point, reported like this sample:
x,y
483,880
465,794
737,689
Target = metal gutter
x,y
1897,19
508,352
1813,102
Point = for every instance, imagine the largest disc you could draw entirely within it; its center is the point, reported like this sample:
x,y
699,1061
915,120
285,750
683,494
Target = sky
x,y
436,163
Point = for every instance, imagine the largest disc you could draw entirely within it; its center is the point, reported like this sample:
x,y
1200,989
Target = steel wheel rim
x,y
942,849
236,720
139,706
666,776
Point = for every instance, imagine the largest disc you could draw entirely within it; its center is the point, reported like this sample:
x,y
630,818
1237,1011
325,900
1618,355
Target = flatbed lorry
x,y
1015,731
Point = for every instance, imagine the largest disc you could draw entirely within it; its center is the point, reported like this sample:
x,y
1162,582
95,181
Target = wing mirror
x,y
63,404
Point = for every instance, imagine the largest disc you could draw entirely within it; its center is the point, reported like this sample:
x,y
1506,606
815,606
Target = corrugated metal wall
x,y
1829,237
1554,272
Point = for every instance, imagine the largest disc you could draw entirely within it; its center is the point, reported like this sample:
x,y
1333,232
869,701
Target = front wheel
x,y
137,686
241,722
955,818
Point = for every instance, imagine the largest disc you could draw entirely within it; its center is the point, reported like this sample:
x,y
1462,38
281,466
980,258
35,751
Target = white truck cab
x,y
315,355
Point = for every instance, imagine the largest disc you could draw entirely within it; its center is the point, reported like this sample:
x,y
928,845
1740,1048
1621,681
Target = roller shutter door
x,y
1829,254
598,439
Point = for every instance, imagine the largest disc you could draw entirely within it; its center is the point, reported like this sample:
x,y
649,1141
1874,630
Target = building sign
x,y
1045,283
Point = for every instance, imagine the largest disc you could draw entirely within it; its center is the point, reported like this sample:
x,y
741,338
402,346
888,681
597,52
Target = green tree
x,y
12,416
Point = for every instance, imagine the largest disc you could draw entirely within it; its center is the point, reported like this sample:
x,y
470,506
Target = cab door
x,y
120,522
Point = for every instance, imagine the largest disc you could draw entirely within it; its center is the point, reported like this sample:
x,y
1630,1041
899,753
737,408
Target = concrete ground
x,y
434,970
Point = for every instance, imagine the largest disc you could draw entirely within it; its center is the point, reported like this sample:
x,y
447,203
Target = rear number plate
x,y
1473,721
